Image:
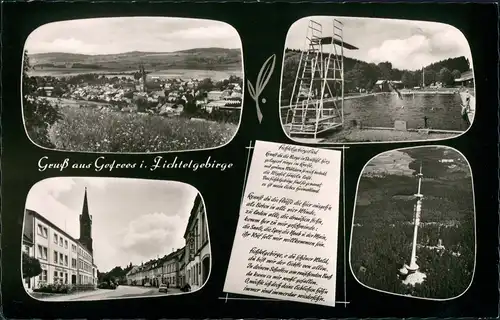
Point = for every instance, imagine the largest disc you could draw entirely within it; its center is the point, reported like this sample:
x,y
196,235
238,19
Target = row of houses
x,y
63,258
190,264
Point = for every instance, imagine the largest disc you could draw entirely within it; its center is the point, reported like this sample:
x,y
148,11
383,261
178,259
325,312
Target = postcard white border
x,y
137,153
475,225
130,297
326,144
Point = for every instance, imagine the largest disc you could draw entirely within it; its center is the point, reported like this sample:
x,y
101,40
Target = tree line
x,y
363,75
115,275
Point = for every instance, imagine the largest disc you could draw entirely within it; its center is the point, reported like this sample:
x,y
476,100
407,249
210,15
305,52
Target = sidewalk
x,y
64,296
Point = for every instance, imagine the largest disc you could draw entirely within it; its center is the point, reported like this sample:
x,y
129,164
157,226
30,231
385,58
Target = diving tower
x,y
317,100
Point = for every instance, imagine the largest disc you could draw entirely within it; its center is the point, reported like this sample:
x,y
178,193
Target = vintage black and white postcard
x,y
262,159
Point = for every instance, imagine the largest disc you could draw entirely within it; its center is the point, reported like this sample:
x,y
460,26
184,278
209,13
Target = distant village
x,y
145,93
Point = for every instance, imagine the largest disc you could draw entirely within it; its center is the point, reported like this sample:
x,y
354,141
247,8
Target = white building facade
x,y
197,251
63,259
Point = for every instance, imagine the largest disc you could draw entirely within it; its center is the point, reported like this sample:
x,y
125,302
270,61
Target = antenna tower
x,y
412,270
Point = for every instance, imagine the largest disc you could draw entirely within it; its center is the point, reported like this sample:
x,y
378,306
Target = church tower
x,y
86,225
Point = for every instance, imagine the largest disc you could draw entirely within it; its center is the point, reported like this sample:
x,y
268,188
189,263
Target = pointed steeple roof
x,y
85,210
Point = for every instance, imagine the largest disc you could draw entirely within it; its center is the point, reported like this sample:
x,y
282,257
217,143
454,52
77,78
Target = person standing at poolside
x,y
466,107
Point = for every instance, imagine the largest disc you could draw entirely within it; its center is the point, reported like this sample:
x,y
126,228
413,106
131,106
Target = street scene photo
x,y
112,238
132,84
355,80
413,230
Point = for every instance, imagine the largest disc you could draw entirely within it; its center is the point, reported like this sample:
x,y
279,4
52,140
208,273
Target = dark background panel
x,y
262,28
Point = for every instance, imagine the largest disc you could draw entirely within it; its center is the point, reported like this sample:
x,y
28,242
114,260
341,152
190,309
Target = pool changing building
x,y
63,259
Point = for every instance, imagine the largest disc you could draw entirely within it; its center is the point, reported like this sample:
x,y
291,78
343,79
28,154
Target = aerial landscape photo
x,y
413,230
375,80
132,84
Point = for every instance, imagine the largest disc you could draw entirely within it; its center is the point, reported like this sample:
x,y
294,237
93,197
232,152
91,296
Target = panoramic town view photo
x,y
132,84
413,229
111,238
375,80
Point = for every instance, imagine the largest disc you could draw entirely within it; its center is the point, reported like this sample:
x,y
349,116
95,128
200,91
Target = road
x,y
120,292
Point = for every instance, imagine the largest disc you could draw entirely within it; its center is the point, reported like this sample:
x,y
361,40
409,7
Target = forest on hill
x,y
198,58
383,227
363,75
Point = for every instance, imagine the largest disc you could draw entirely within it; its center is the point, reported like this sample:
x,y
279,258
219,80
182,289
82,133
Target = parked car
x,y
186,288
106,285
163,288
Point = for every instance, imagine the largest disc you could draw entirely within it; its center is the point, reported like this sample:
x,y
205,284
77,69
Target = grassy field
x,y
383,230
91,130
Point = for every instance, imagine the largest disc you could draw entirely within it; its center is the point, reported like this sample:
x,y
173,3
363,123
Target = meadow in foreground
x,y
91,130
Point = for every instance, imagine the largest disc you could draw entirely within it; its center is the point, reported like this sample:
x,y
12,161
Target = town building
x,y
214,95
197,250
387,85
131,275
171,270
182,268
63,258
190,264
46,91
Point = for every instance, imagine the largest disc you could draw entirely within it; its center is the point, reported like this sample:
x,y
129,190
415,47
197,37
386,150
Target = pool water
x,y
442,111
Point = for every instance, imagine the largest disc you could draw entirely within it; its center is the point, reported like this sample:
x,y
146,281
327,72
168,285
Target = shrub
x,y
31,266
63,288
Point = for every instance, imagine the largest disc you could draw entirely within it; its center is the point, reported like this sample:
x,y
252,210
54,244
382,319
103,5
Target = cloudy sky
x,y
406,44
119,35
133,220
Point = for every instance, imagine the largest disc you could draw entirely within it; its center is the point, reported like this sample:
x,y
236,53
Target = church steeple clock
x,y
86,225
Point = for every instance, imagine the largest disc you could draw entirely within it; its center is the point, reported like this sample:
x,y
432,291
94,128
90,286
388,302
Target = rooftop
x,y
465,76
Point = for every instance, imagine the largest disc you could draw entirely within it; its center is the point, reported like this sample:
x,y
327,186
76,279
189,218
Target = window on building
x,y
73,248
66,278
61,258
196,237
60,241
40,230
43,276
55,238
55,276
73,263
55,256
45,232
42,252
203,228
196,274
66,244
65,260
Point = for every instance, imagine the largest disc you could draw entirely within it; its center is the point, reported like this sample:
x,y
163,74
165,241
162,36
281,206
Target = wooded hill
x,y
198,58
363,75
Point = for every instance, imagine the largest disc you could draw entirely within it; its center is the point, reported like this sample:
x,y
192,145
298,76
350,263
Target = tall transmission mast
x,y
414,276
